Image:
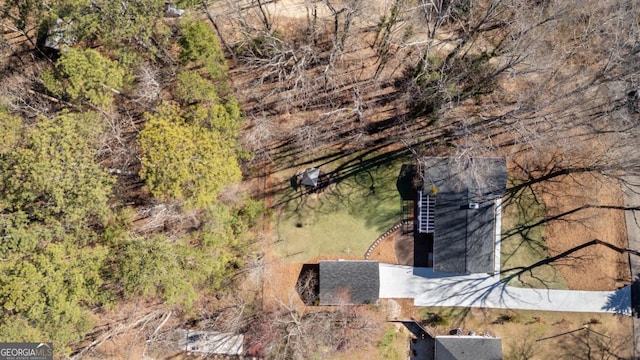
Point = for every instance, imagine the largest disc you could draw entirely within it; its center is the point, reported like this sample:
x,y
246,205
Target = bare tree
x,y
300,332
261,138
590,344
524,348
148,84
307,287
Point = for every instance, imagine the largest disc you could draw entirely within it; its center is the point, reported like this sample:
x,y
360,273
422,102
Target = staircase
x,y
426,213
408,216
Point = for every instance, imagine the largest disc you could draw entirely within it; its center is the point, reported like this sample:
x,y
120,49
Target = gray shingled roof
x,y
310,177
467,348
349,282
464,238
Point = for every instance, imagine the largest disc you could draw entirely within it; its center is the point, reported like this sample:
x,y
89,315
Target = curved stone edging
x,y
386,234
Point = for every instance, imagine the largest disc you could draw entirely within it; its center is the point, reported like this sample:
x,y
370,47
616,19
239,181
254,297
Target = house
x,y
344,282
459,206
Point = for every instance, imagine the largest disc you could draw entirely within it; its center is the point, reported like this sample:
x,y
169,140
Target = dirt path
x,y
298,9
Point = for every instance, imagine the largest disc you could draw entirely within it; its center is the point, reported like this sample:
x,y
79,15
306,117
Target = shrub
x,y
434,319
507,318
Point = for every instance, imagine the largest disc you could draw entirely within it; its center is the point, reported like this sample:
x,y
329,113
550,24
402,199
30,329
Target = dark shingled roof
x,y
349,282
464,238
467,348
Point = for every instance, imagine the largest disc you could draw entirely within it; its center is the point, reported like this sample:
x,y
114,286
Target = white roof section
x,y
431,288
212,342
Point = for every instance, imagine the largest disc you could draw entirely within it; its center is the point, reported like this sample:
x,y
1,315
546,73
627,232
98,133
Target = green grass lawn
x,y
345,218
524,244
393,344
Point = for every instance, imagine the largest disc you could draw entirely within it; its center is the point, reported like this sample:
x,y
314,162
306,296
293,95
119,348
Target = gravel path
x,y
632,218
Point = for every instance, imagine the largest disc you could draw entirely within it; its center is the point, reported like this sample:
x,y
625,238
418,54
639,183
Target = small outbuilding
x,y
212,342
455,347
310,177
171,11
55,37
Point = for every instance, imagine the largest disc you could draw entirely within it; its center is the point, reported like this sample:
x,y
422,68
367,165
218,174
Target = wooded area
x,y
115,149
137,147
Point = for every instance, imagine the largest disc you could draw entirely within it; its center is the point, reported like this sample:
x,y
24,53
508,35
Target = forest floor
x,y
594,268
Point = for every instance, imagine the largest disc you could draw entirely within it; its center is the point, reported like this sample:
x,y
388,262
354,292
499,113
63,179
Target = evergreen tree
x,y
184,161
85,75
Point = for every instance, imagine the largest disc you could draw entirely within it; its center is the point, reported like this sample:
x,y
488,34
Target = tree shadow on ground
x,y
635,296
360,182
618,302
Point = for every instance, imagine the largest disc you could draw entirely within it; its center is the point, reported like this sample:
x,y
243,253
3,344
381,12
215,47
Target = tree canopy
x,y
86,75
185,161
53,174
199,44
52,192
176,271
44,295
189,148
10,128
79,147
